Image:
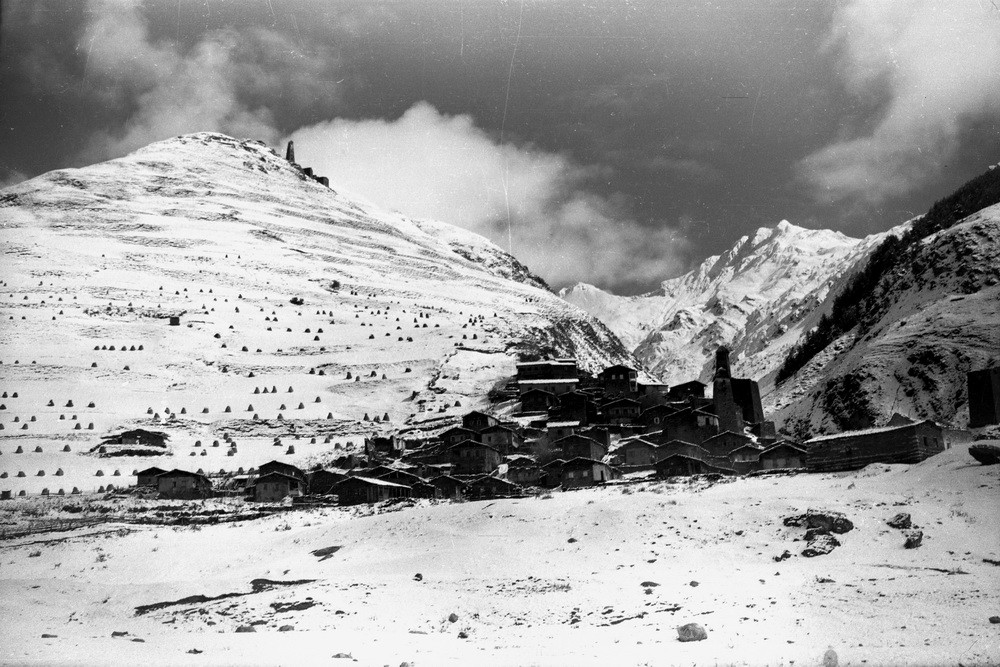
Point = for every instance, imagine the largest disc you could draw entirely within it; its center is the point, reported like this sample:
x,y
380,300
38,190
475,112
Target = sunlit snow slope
x,y
411,319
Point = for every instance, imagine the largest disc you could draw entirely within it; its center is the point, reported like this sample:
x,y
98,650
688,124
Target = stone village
x,y
563,428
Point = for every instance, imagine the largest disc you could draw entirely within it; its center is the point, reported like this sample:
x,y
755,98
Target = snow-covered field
x,y
597,576
413,320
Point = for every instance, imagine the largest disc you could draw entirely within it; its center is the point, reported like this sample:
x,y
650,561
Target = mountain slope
x,y
939,318
757,298
395,317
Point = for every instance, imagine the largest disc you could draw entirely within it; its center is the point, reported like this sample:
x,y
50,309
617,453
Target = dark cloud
x,y
658,132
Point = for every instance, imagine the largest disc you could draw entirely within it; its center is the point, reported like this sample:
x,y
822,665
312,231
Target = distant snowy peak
x,y
755,297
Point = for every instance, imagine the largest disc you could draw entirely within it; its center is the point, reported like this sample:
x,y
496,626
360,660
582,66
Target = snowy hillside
x,y
757,298
413,320
944,320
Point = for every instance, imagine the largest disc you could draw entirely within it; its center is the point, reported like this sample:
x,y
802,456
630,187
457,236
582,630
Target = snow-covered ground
x,y
596,576
415,320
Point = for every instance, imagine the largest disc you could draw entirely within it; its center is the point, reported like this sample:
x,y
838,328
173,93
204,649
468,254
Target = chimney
x,y
290,152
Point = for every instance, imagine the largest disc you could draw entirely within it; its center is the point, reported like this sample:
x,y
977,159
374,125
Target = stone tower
x,y
722,363
726,409
290,152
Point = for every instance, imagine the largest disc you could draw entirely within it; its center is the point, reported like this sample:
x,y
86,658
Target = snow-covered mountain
x,y
943,320
757,298
411,320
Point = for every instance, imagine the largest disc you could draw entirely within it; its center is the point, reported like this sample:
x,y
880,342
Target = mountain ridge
x,y
755,298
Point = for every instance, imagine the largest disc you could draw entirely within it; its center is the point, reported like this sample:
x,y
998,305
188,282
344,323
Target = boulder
x,y
900,521
246,628
691,632
825,521
986,454
820,545
913,539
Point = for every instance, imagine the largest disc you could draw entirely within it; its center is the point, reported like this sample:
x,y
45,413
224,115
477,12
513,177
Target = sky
x,y
615,143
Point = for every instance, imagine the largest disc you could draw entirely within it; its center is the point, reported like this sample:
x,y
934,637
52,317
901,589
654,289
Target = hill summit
x,y
301,312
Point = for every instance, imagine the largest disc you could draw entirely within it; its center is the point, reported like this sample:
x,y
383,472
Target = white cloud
x,y
935,65
223,83
428,164
12,177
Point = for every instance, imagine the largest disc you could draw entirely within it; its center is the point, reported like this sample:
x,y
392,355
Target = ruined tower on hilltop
x,y
290,152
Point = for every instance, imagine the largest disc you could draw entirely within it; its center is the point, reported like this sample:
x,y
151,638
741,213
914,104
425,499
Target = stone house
x,y
619,379
553,369
782,455
275,486
493,487
652,417
721,444
538,400
744,458
449,487
474,458
321,482
574,446
582,471
907,443
502,438
360,490
458,434
148,476
686,390
477,421
400,477
637,452
554,386
523,470
181,484
679,465
622,411
139,436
